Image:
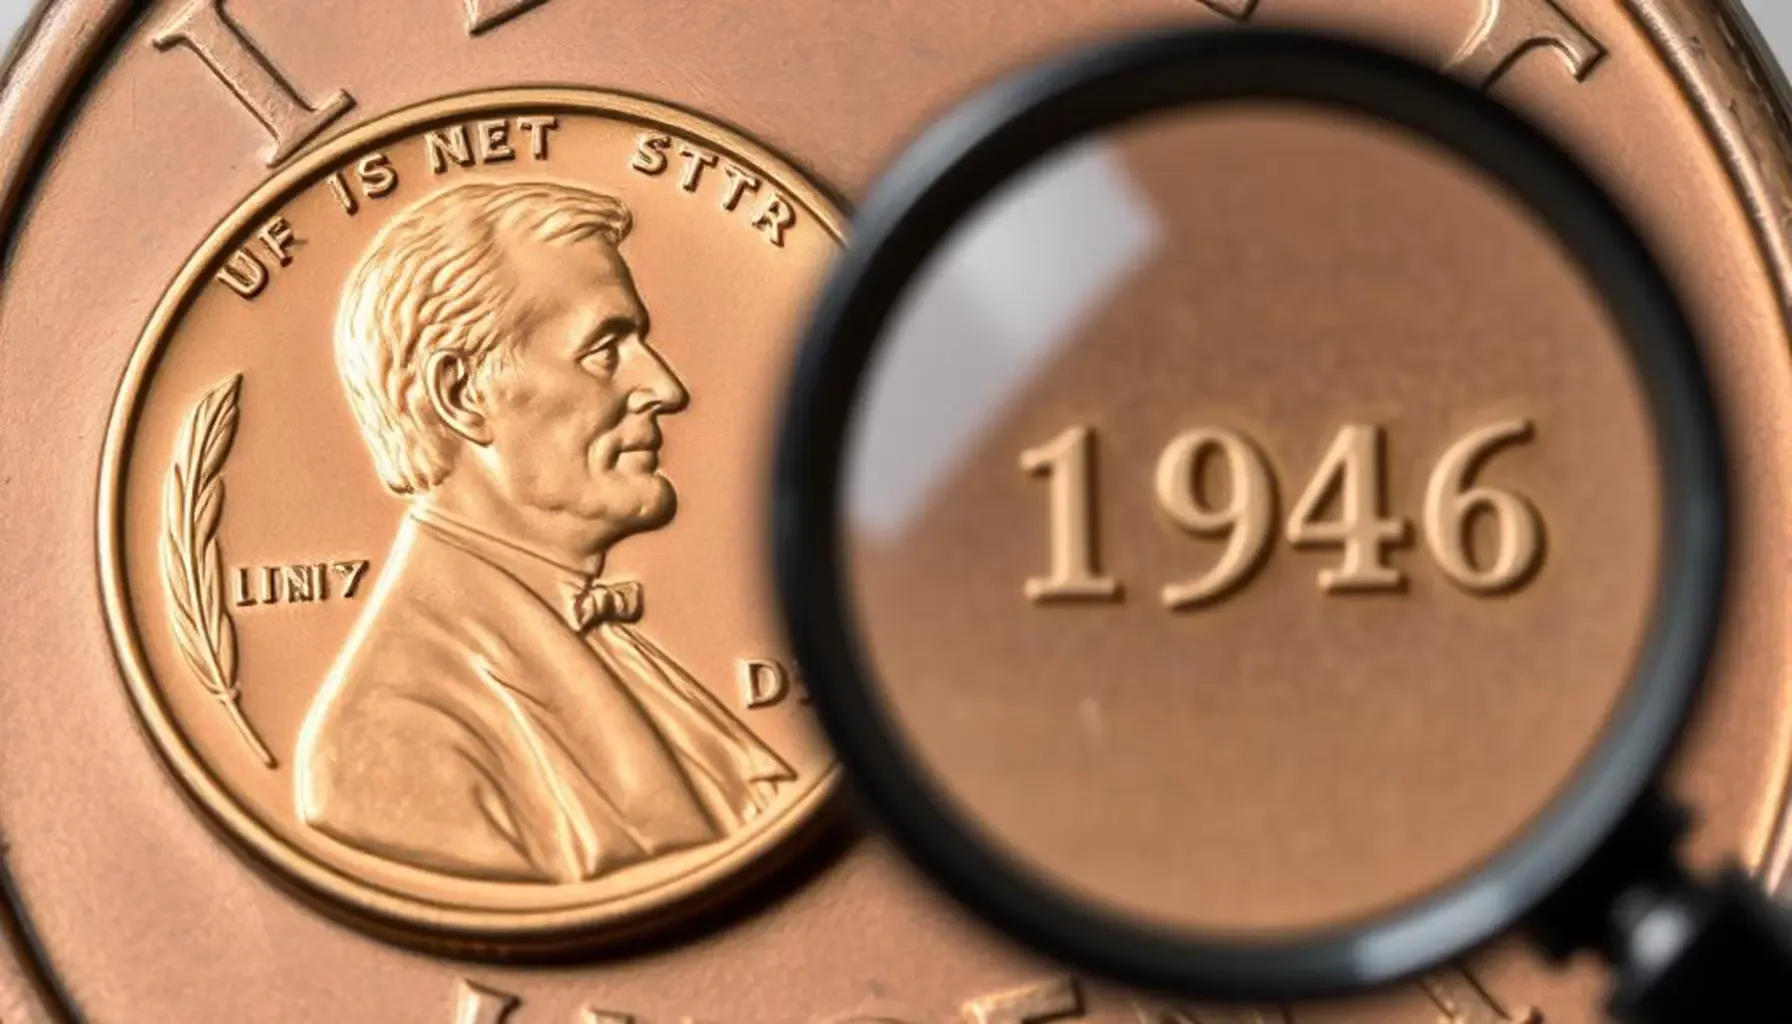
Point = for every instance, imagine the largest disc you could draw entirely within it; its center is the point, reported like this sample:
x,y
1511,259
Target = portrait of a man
x,y
499,711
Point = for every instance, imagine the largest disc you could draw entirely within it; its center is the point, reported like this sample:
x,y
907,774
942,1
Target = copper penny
x,y
459,693
157,869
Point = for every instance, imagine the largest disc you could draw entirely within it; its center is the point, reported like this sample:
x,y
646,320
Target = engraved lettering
x,y
374,178
270,583
243,598
297,580
449,145
269,593
606,1017
1068,461
244,274
763,682
739,183
493,138
1050,1000
376,175
650,153
480,143
1509,29
1463,1001
203,27
422,290
481,1005
773,218
350,573
339,189
537,128
1237,10
277,235
483,15
694,162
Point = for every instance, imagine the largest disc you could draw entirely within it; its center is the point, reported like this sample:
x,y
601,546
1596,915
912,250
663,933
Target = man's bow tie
x,y
598,602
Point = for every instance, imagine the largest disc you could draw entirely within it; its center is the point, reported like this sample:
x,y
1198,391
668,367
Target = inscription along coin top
x,y
431,514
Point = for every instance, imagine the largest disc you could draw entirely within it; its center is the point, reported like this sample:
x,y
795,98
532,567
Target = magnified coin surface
x,y
1253,517
157,868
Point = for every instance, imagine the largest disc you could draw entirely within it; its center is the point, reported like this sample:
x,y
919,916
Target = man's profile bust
x,y
497,713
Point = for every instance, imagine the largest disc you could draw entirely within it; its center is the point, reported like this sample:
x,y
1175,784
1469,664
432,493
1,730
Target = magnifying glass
x,y
1253,517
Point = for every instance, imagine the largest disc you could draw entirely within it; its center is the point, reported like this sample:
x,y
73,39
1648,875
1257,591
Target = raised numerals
x,y
1065,461
1216,484
1453,503
1351,471
1246,521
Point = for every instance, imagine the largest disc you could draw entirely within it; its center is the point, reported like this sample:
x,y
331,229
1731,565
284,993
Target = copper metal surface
x,y
407,697
138,908
1316,742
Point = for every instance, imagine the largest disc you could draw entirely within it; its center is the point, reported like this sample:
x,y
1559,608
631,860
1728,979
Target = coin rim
x,y
382,906
999,134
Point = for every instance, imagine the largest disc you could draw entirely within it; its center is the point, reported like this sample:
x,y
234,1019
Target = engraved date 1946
x,y
1351,478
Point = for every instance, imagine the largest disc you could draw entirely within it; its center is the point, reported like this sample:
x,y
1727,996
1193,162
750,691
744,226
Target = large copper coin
x,y
131,136
482,707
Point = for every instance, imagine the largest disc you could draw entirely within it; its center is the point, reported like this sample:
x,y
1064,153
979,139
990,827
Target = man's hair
x,y
438,278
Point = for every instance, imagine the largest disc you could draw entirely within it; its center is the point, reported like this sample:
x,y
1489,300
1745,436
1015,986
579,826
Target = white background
x,y
12,14
1774,17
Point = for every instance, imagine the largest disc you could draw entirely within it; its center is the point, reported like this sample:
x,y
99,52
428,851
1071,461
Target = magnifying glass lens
x,y
1252,518
1251,511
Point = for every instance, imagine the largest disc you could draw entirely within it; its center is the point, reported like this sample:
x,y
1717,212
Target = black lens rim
x,y
1006,128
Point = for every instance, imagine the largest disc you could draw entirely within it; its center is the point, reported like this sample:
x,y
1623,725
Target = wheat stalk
x,y
192,568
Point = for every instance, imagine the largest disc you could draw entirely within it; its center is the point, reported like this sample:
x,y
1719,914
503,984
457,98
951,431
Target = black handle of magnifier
x,y
1682,950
